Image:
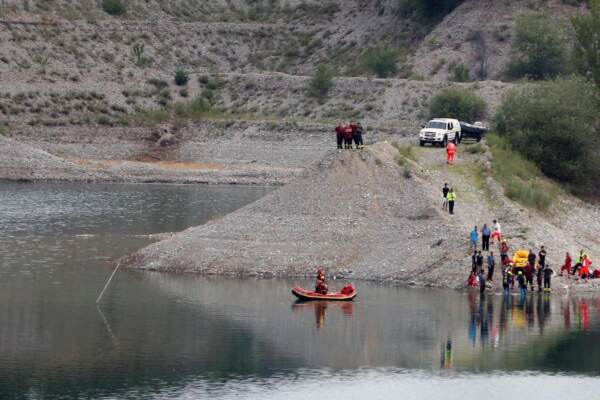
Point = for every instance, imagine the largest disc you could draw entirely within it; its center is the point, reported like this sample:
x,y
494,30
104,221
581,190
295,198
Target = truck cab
x,y
440,131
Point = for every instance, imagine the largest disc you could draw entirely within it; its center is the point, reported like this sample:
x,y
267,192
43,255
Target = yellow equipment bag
x,y
522,254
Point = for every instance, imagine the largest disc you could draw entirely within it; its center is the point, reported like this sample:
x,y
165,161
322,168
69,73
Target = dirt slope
x,y
358,214
353,212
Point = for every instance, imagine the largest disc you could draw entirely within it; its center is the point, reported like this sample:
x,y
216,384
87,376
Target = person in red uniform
x,y
339,135
451,152
567,265
584,272
348,132
321,284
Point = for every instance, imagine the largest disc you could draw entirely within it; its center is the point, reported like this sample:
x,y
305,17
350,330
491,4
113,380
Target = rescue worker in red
x,y
321,284
567,265
584,272
451,152
348,132
339,135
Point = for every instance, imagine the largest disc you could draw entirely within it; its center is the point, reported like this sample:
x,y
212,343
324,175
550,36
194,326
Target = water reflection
x,y
320,307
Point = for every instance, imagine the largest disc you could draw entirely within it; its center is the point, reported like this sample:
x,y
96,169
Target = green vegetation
x,y
381,60
427,9
457,103
149,117
321,82
476,148
138,54
460,73
181,77
519,177
114,7
405,152
539,48
587,42
556,125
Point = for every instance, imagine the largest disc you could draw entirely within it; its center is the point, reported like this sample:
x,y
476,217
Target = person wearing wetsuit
x,y
479,263
522,284
445,191
529,272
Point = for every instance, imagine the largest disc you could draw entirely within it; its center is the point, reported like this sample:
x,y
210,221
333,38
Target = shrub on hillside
x,y
382,61
181,77
321,82
460,73
114,7
461,104
539,48
556,125
427,9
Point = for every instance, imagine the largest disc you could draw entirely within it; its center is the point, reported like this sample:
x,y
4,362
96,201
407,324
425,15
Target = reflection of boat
x,y
304,294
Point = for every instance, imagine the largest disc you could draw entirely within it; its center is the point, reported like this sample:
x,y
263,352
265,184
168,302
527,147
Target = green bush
x,y
539,48
460,73
195,109
427,9
114,7
519,177
321,82
181,77
556,125
461,104
382,61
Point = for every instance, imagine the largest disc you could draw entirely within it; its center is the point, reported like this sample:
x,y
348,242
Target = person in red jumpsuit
x,y
348,132
451,152
567,265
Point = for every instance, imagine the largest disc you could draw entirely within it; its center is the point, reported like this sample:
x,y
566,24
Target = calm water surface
x,y
167,336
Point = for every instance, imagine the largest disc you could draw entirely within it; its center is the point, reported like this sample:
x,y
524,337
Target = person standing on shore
x,y
539,270
339,135
522,284
491,264
548,272
504,249
529,271
497,234
445,191
451,152
474,262
474,238
486,232
348,131
479,263
451,200
357,132
542,256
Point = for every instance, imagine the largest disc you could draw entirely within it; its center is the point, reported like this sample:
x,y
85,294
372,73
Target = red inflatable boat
x,y
345,295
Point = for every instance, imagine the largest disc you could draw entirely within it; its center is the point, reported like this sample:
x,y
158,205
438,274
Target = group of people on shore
x,y
347,133
533,269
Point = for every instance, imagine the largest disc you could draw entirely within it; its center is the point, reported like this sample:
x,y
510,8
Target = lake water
x,y
167,336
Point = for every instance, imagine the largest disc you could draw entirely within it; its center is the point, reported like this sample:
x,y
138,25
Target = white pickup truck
x,y
440,131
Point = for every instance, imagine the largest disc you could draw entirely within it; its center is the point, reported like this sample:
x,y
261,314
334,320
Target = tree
x,y
539,48
321,81
461,104
382,61
556,125
587,42
181,77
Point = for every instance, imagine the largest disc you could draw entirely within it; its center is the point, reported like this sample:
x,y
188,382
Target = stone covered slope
x,y
353,212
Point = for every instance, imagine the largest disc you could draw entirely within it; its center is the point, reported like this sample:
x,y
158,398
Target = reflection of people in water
x,y
584,311
446,361
320,308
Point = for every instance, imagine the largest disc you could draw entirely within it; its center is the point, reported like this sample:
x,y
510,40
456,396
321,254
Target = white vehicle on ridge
x,y
440,131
